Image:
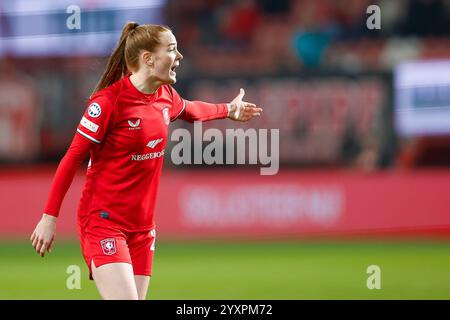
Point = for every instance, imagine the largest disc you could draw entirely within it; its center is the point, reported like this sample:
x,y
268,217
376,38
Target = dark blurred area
x,y
322,76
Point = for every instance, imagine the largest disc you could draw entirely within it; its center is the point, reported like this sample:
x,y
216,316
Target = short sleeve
x,y
178,104
97,119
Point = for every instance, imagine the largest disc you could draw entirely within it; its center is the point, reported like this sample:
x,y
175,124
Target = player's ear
x,y
148,58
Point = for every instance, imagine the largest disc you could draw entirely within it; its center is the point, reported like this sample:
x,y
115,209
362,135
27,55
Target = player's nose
x,y
179,55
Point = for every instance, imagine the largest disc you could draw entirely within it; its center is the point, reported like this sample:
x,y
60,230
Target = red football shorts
x,y
106,244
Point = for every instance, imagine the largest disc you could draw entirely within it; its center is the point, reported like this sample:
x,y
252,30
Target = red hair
x,y
125,57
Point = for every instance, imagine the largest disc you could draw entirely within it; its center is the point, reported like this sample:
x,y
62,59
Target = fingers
x,y
43,248
253,110
50,245
35,241
250,112
39,244
246,115
248,104
244,110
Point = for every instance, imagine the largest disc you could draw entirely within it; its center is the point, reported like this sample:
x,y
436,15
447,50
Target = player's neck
x,y
143,83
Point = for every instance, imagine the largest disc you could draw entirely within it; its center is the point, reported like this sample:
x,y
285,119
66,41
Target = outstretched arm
x,y
43,235
237,110
203,111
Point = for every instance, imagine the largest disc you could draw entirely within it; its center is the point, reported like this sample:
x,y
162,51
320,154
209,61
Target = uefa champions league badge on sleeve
x,y
94,110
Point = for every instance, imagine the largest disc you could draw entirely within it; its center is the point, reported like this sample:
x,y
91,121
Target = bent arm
x,y
65,172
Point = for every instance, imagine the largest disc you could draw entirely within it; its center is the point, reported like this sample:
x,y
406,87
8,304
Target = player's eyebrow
x,y
173,43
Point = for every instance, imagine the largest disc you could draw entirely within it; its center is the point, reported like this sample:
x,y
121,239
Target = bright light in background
x,y
422,98
39,28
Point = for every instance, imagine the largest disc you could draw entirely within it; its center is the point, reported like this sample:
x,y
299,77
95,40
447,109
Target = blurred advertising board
x,y
329,119
69,27
243,204
422,98
20,115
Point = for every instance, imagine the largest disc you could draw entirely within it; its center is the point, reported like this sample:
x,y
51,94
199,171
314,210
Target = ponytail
x,y
116,67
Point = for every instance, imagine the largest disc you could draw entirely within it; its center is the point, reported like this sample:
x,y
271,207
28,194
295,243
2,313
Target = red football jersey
x,y
128,130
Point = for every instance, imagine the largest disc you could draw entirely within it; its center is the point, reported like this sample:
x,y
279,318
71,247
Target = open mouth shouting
x,y
172,69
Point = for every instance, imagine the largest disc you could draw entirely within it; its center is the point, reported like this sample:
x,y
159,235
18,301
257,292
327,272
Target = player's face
x,y
167,59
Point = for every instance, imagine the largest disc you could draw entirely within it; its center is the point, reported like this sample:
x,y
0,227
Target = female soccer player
x,y
124,129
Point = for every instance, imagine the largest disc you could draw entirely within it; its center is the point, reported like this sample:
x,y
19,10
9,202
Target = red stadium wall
x,y
243,204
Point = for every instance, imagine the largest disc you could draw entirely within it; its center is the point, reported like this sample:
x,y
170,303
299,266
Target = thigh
x,y
142,247
115,281
142,283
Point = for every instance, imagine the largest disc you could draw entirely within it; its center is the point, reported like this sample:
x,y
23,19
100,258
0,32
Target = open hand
x,y
239,110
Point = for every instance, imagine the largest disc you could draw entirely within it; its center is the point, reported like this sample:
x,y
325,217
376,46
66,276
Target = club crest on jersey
x,y
165,112
108,246
134,125
94,110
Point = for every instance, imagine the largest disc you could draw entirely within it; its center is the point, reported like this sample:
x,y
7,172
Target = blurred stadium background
x,y
364,147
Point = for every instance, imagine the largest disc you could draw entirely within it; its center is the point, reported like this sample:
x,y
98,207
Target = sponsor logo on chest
x,y
153,143
151,155
147,156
